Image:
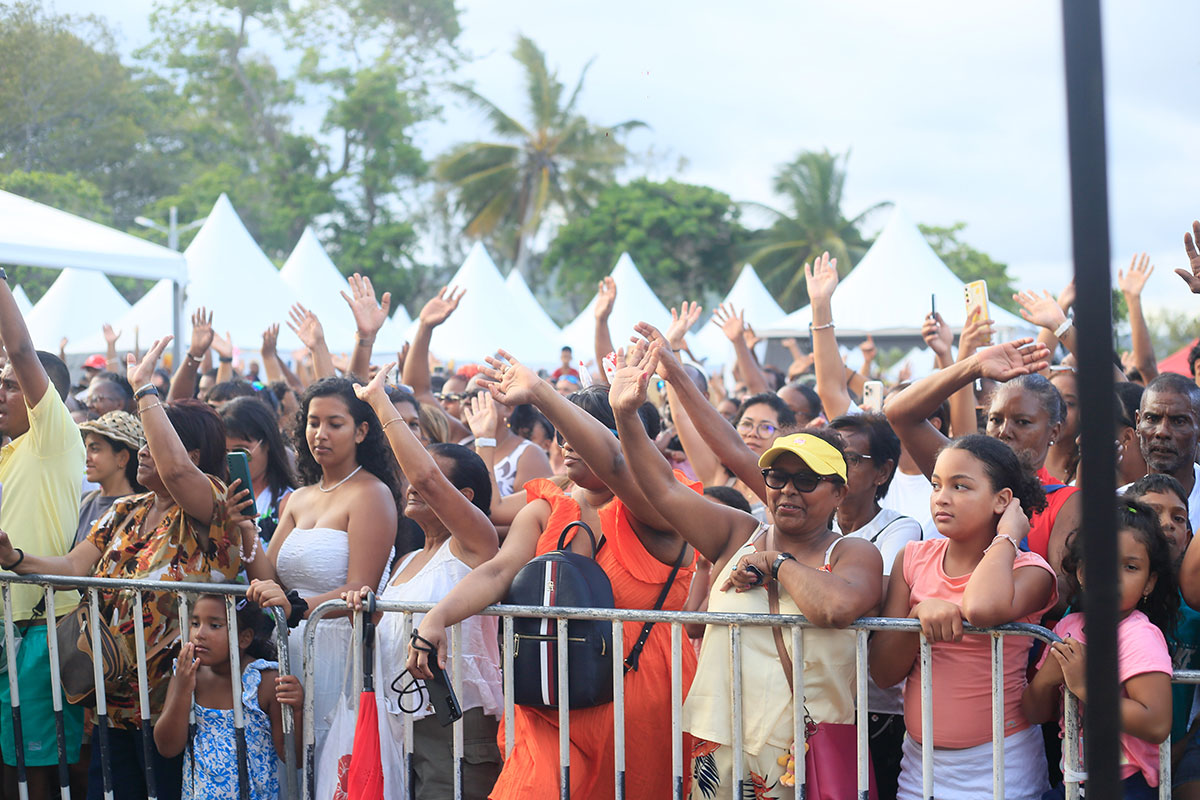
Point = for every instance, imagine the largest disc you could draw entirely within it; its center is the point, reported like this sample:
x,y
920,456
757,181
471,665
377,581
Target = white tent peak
x,y
76,305
749,296
636,302
527,308
23,304
888,291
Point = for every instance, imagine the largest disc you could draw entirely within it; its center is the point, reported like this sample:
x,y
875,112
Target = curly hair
x,y
1004,469
373,452
1161,606
883,443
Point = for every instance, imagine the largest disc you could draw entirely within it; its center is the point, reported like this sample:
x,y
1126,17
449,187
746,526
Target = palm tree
x,y
505,190
812,184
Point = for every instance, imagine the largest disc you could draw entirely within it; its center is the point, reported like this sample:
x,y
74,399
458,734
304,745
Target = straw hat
x,y
118,426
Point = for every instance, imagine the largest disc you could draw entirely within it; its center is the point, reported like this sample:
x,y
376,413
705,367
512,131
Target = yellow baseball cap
x,y
822,457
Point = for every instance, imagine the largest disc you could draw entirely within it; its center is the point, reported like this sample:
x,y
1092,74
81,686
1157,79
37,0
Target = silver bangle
x,y
1064,327
1009,539
485,441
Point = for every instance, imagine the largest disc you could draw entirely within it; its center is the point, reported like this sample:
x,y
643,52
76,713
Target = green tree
x,y
812,184
681,236
559,161
970,264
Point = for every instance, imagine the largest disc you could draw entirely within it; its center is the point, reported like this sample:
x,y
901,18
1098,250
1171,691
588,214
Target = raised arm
x,y
1045,311
183,383
14,336
473,536
908,411
223,347
415,372
715,530
369,317
191,489
307,327
869,351
821,277
606,298
1131,284
1191,247
272,365
977,333
110,341
997,594
733,325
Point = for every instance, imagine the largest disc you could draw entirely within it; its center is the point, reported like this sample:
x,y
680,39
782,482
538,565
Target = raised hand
x,y
441,306
186,667
1013,523
750,336
238,502
937,335
821,278
801,364
510,381
306,326
375,391
1042,310
202,333
1005,361
1191,276
976,333
627,389
110,335
606,298
1066,298
369,315
224,347
139,373
905,373
1134,281
482,418
682,321
868,349
731,323
401,357
270,340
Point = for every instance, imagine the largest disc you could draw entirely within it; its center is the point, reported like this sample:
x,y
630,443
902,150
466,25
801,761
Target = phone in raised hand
x,y
977,295
873,396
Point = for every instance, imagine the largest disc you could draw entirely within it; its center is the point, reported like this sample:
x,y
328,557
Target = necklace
x,y
321,485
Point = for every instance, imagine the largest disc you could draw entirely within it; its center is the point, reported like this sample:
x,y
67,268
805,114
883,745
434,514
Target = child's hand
x,y
1071,656
268,594
186,667
289,691
940,621
1013,522
354,598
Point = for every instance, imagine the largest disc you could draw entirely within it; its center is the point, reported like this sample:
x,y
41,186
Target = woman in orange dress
x,y
639,552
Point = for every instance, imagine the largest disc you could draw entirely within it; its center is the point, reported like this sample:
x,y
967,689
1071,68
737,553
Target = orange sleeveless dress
x,y
637,578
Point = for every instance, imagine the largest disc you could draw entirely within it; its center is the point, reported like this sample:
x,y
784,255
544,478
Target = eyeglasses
x,y
97,399
763,429
249,451
452,397
804,482
854,459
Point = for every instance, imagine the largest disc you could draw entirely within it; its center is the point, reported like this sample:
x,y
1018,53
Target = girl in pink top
x,y
1149,601
981,502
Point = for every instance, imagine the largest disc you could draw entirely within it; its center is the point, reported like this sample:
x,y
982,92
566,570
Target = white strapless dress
x,y
314,561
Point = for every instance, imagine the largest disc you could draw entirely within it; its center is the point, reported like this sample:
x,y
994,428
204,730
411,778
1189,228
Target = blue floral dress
x,y
214,749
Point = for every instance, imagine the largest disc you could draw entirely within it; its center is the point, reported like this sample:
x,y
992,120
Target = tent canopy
x,y
748,295
23,304
636,302
526,308
1178,361
888,292
75,306
36,235
485,320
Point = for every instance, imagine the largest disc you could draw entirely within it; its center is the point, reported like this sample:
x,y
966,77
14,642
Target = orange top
x,y
637,580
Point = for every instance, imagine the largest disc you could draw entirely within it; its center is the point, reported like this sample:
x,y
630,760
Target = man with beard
x,y
1168,426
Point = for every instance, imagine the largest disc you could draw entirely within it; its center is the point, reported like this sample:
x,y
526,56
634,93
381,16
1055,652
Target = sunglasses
x,y
804,482
453,397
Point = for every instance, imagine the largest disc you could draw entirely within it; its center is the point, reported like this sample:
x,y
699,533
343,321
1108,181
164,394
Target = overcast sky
x,y
953,110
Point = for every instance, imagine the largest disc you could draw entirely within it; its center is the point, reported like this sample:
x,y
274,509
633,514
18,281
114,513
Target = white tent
x,y
23,304
526,308
147,319
314,279
749,295
920,361
888,292
484,320
636,302
75,306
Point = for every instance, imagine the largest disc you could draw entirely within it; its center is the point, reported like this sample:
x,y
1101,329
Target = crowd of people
x,y
953,500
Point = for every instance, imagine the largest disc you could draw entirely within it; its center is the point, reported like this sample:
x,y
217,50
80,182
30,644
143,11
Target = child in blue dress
x,y
203,683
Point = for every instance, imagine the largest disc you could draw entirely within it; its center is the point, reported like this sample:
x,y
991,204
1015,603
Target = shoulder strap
x,y
631,661
885,527
785,660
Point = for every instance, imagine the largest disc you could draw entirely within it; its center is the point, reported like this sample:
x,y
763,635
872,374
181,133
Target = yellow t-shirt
x,y
42,473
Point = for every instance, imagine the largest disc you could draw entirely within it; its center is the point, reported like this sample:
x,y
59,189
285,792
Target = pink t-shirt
x,y
962,671
1141,648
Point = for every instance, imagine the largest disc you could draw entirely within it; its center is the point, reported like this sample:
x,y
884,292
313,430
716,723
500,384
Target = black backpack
x,y
565,578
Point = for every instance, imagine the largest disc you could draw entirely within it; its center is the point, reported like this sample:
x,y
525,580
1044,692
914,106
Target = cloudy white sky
x,y
953,110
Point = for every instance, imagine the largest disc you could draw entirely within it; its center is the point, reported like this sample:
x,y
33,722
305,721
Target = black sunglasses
x,y
804,482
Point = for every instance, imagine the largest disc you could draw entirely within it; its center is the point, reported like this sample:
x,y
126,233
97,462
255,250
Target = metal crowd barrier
x,y
676,620
93,587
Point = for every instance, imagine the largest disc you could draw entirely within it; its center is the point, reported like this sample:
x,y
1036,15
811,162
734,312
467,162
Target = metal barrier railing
x,y
93,587
676,620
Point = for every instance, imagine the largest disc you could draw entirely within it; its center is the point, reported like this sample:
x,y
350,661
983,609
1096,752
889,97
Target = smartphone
x,y
977,295
239,468
441,695
873,396
932,305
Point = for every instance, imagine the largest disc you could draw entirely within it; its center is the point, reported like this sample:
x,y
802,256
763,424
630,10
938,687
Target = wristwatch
x,y
779,559
148,389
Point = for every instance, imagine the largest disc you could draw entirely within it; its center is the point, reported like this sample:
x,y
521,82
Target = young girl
x,y
1149,601
981,502
203,683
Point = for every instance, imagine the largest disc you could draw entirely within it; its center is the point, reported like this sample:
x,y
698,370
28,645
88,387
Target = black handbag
x,y
564,578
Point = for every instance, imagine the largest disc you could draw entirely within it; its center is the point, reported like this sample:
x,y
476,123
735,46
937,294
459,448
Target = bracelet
x,y
392,420
812,327
364,341
1009,539
148,389
147,408
226,359
779,559
191,357
299,608
484,441
17,563
1064,327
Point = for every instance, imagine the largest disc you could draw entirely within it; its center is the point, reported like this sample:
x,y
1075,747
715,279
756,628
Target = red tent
x,y
1178,361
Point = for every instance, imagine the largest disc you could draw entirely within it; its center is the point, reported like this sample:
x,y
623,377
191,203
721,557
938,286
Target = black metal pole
x,y
1093,324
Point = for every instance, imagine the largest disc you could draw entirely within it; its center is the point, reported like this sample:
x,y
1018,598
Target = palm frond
x,y
542,86
502,123
569,109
